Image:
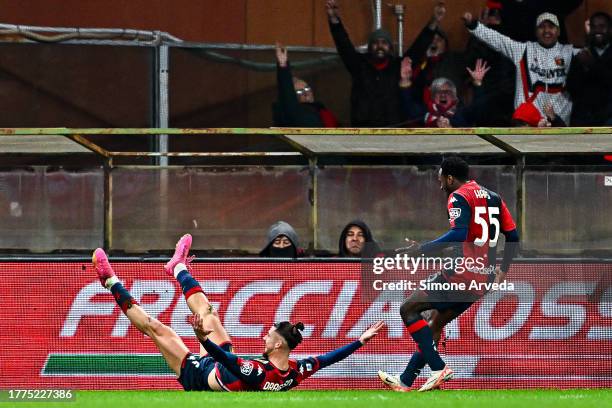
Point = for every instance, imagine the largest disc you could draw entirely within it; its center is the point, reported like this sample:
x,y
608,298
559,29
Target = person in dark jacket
x,y
375,98
281,242
521,16
499,87
296,105
444,110
590,78
431,57
356,241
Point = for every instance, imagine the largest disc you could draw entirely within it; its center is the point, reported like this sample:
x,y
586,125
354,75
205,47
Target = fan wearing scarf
x,y
444,110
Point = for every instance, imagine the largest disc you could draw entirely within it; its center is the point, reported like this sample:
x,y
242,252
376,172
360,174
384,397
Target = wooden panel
x,y
289,22
203,20
598,5
296,22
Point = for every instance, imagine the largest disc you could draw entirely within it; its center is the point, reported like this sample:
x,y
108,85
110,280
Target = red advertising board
x,y
61,329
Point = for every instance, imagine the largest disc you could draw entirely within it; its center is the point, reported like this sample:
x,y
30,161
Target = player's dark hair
x,y
601,14
290,332
457,167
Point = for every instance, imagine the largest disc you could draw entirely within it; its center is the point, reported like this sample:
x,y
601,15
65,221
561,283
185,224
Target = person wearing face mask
x,y
590,77
281,242
375,99
296,105
541,67
444,110
356,241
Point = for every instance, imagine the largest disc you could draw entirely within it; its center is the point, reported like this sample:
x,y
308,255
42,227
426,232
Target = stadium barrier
x,y
128,203
61,329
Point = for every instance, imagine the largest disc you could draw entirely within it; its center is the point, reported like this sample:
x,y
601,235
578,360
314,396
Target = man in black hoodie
x,y
375,98
281,242
356,241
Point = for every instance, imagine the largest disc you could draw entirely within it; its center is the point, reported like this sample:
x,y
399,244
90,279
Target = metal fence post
x,y
161,119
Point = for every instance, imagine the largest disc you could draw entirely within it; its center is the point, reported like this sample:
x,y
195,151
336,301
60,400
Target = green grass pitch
x,y
576,398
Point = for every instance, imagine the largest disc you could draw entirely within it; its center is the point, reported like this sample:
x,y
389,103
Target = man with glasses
x,y
296,105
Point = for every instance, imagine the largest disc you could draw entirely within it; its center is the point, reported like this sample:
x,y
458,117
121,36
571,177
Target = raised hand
x,y
549,111
198,327
406,69
443,122
332,11
371,332
281,55
438,14
439,11
479,72
587,27
468,18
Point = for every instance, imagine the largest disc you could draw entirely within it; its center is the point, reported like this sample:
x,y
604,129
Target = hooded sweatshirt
x,y
371,248
277,229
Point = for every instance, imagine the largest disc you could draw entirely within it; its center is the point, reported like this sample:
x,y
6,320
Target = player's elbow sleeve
x,y
512,236
459,234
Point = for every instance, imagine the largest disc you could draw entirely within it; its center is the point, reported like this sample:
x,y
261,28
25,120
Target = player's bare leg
x,y
194,295
167,341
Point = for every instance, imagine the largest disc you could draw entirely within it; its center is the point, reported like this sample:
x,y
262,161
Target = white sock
x,y
180,267
111,281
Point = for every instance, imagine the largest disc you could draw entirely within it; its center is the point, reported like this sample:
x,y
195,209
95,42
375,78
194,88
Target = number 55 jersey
x,y
485,215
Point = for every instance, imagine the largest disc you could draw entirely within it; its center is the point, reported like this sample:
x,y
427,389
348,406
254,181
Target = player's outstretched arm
x,y
343,352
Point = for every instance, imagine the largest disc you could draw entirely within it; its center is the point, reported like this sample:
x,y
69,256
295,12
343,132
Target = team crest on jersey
x,y
246,368
454,213
560,61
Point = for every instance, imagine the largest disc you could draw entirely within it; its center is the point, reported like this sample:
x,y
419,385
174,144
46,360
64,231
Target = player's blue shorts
x,y
445,300
195,371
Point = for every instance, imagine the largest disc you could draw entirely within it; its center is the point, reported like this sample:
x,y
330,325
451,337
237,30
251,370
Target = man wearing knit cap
x,y
375,97
542,66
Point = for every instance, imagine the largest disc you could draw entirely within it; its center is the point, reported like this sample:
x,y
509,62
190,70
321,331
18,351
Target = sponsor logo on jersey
x,y
271,386
454,213
481,194
246,367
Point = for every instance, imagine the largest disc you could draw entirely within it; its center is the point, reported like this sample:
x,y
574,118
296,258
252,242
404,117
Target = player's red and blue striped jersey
x,y
234,373
262,375
486,216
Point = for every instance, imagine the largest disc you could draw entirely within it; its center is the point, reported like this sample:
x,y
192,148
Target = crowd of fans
x,y
516,70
